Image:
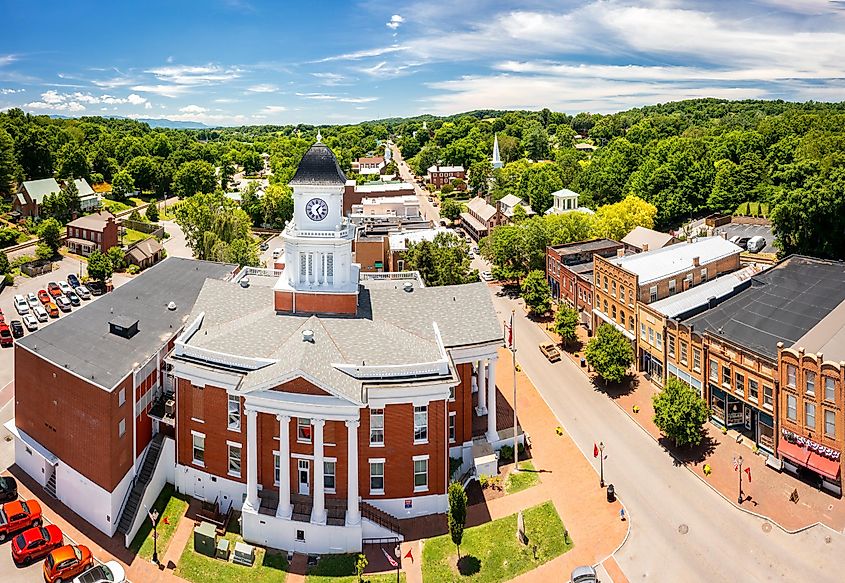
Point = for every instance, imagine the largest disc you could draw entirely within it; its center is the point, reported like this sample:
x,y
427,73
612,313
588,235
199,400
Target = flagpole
x,y
513,364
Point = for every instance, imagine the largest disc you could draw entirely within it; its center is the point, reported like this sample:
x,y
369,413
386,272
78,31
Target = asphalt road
x,y
681,530
428,210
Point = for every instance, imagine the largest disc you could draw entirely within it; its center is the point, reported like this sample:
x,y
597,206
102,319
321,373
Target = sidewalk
x,y
769,491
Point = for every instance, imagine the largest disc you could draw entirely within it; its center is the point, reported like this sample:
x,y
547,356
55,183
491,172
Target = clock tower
x,y
319,276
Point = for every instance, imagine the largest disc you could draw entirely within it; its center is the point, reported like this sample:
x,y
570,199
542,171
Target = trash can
x,y
583,362
611,493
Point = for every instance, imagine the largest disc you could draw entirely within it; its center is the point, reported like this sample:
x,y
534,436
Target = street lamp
x,y
154,519
601,464
738,462
398,551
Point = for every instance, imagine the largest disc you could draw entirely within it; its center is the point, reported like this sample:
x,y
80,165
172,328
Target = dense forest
x,y
687,158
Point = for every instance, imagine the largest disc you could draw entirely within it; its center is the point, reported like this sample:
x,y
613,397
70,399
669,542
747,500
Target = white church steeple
x,y
497,161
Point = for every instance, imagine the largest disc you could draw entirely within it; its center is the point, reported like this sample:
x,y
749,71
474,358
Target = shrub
x,y
133,269
447,189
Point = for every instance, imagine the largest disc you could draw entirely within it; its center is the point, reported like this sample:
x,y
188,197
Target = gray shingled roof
x,y
82,343
38,189
319,167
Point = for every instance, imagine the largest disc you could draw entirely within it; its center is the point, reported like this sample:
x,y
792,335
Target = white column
x,y
284,508
482,385
474,376
491,402
318,512
325,270
252,501
353,515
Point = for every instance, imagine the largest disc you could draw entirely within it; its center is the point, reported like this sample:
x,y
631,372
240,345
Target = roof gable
x,y
38,189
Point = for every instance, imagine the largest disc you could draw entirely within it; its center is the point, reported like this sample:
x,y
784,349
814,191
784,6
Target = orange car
x,y
44,296
67,562
52,309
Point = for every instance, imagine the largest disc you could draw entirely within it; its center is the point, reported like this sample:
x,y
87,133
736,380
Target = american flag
x,y
509,332
390,559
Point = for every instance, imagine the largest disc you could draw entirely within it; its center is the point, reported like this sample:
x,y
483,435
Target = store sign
x,y
735,411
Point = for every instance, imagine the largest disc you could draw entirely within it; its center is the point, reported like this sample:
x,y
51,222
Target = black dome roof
x,y
319,166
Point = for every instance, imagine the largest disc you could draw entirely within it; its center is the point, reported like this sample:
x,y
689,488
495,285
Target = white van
x,y
277,252
756,244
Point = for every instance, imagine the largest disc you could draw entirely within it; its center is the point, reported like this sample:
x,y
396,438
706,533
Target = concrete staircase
x,y
139,486
380,517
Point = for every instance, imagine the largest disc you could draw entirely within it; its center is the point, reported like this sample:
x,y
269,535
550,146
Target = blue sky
x,y
225,62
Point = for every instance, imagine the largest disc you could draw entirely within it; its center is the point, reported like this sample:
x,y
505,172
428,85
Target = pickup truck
x,y
550,351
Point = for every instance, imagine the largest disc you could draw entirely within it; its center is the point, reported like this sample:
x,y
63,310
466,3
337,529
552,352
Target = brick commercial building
x,y
643,239
354,193
440,176
323,405
480,218
624,281
31,193
97,231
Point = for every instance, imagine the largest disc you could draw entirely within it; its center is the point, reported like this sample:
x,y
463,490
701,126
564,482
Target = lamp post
x,y
601,464
398,551
738,462
154,519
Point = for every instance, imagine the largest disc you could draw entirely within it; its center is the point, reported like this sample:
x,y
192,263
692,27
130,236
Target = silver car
x,y
585,574
40,313
82,292
30,322
32,300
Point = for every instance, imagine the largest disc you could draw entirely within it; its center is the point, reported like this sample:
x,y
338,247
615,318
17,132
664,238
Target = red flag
x,y
165,521
748,471
595,450
409,555
390,559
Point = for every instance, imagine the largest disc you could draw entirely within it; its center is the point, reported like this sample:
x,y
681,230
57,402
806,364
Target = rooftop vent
x,y
308,336
171,306
408,287
123,326
244,282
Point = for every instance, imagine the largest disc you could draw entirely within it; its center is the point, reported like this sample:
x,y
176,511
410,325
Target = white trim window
x,y
421,424
121,428
829,389
810,381
377,427
198,448
829,423
453,417
791,407
329,476
234,450
234,417
377,476
303,430
810,415
276,468
421,473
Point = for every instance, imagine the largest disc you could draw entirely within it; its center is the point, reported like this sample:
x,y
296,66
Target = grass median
x,y
170,505
341,569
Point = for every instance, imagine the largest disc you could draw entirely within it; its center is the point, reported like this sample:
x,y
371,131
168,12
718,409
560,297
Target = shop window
x,y
768,397
739,385
829,389
714,370
790,375
810,380
791,407
752,390
810,415
830,423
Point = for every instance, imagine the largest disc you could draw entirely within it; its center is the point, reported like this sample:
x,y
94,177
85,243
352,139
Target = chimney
x,y
724,235
696,261
645,247
620,252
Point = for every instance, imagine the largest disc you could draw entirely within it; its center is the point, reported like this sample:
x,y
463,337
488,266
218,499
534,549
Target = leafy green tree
x,y
451,209
566,323
479,177
34,152
519,214
737,183
582,123
143,170
117,258
536,293
152,212
443,261
193,177
214,225
614,221
535,140
73,163
43,251
9,168
360,566
508,148
252,162
99,266
61,205
610,354
539,181
50,232
506,249
679,412
122,185
605,177
457,514
4,263
277,206
251,203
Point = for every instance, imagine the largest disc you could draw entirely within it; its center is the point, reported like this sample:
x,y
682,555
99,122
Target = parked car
x,y
5,335
31,322
66,562
54,289
756,244
264,246
2,317
32,300
18,515
585,574
40,313
44,296
82,292
73,280
65,287
550,351
20,305
34,543
74,299
111,572
8,489
96,288
17,328
486,276
739,241
52,310
63,303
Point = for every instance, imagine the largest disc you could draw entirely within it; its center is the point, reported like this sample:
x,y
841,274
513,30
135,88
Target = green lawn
x,y
339,569
522,480
269,567
169,504
136,201
132,236
115,206
491,553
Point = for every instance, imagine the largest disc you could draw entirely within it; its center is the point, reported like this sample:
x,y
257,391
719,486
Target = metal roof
x,y
482,208
702,295
38,189
660,263
640,236
319,167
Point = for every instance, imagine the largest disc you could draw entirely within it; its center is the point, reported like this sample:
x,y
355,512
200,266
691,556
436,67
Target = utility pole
x,y
601,464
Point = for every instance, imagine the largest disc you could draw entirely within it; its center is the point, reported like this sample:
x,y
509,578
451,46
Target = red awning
x,y
824,466
794,452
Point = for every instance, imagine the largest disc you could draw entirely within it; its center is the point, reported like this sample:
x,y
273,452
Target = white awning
x,y
629,335
51,458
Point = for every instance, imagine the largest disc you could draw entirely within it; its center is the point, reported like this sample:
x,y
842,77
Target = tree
x,y
535,140
152,212
539,181
536,293
506,249
193,177
360,565
443,261
122,185
610,354
99,266
519,214
50,232
143,170
614,221
479,177
43,251
451,209
252,162
566,323
4,263
457,514
679,412
277,206
214,225
117,258
73,163
9,169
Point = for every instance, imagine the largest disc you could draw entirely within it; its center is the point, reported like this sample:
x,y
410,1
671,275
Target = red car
x,y
6,338
54,289
67,562
18,515
36,542
44,296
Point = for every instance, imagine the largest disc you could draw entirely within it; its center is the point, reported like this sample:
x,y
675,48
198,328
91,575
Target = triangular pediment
x,y
301,386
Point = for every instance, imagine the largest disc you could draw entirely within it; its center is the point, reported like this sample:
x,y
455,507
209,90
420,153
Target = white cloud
x,y
7,91
395,21
262,88
357,99
340,98
163,90
7,60
330,79
71,106
317,96
195,74
270,109
193,109
148,105
364,54
136,99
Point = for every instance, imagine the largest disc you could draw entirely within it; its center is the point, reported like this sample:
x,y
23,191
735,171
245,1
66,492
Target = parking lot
x,y
742,230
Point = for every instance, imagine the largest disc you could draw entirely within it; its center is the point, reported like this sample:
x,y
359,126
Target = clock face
x,y
317,209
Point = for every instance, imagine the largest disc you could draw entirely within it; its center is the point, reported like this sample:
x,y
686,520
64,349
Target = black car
x,y
17,328
74,299
73,280
8,489
96,288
